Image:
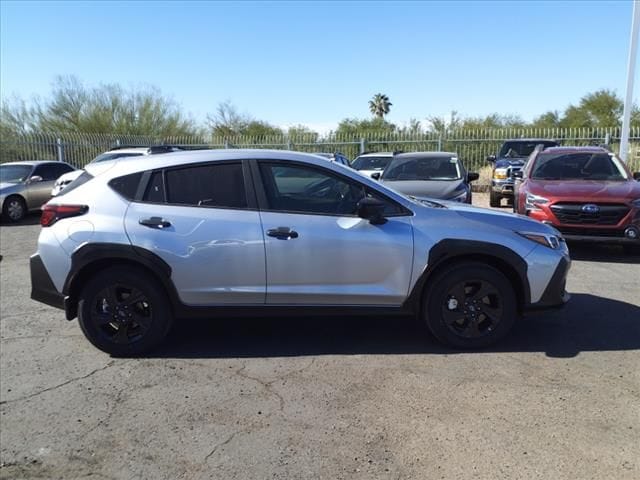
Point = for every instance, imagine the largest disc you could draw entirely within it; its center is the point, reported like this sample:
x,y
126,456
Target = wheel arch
x,y
93,258
448,253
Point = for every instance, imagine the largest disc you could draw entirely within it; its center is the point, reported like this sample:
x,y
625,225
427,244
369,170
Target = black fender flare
x,y
96,256
448,251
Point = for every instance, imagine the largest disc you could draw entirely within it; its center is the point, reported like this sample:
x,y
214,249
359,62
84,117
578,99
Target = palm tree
x,y
379,105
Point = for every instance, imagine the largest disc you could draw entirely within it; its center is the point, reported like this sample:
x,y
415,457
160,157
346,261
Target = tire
x,y
132,327
494,199
14,208
459,317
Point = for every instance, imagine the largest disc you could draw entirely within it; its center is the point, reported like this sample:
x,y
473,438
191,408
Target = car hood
x,y
588,189
72,175
427,188
510,162
368,173
460,216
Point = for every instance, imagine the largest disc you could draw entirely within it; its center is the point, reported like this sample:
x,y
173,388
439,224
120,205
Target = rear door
x,y
203,221
318,251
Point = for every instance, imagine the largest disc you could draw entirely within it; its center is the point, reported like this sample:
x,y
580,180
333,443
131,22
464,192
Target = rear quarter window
x,y
127,186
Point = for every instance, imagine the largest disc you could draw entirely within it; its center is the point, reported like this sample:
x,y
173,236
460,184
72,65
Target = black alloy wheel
x,y
470,305
122,314
472,309
124,311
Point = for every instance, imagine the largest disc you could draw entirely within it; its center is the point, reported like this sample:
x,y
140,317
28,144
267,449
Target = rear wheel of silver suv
x,y
471,305
124,311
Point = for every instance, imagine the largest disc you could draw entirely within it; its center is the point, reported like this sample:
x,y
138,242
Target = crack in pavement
x,y
26,397
268,385
223,443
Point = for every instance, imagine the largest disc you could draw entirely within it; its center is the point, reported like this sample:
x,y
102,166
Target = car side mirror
x,y
372,209
517,174
375,175
491,158
472,176
636,176
35,179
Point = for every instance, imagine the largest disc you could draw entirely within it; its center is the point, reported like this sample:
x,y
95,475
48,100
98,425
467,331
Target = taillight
x,y
52,213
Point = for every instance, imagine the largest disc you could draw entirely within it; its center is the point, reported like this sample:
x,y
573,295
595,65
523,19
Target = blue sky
x,y
318,62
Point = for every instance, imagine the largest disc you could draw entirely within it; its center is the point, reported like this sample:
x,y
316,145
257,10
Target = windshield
x,y
429,168
14,173
518,149
112,156
578,166
371,163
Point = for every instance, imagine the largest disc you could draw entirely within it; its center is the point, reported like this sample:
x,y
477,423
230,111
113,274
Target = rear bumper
x,y
555,295
42,287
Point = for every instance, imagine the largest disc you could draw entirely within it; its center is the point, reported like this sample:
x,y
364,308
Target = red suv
x,y
587,193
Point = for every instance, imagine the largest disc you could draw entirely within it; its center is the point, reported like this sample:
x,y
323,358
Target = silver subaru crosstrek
x,y
130,246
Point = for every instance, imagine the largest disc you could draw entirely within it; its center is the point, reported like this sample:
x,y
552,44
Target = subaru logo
x,y
590,208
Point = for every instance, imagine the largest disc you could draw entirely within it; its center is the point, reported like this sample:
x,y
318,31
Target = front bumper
x,y
555,295
503,187
42,287
611,234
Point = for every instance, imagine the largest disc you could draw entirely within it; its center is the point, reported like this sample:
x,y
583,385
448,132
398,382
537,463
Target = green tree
x,y
228,122
303,133
74,107
354,128
380,105
602,108
549,119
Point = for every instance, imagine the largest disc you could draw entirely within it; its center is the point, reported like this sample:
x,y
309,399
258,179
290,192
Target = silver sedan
x,y
26,186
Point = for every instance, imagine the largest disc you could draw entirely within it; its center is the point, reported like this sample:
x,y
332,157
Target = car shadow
x,y
596,252
587,323
30,219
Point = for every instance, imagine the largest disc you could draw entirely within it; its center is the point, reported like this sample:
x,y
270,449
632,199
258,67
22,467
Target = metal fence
x,y
472,146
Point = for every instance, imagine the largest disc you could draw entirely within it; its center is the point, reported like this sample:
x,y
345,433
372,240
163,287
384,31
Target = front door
x,y
319,252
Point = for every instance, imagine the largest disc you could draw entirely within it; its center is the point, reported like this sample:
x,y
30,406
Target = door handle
x,y
282,233
155,222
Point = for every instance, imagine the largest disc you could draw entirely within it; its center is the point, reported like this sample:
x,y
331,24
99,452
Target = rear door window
x,y
213,185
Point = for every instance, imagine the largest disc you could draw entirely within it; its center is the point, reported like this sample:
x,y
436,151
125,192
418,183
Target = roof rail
x,y
152,148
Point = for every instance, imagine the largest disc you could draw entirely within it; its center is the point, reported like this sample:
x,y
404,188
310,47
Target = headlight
x,y
500,174
533,201
462,197
548,240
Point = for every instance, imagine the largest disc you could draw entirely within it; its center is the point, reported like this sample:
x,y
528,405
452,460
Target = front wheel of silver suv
x,y
471,305
123,311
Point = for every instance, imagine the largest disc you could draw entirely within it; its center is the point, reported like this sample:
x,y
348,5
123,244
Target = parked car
x,y
117,152
26,186
587,193
132,245
335,157
510,159
435,175
372,164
